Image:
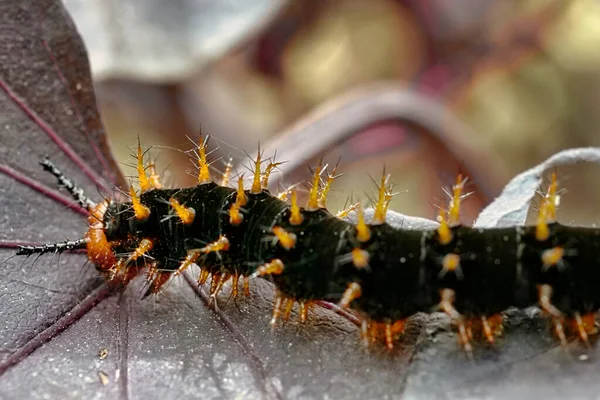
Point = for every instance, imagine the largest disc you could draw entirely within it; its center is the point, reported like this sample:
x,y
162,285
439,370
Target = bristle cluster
x,y
547,210
383,200
203,165
451,217
283,306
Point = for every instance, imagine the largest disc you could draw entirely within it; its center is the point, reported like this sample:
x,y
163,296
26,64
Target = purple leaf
x,y
58,317
47,108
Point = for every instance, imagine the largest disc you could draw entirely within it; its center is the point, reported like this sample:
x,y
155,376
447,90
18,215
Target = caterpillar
x,y
383,274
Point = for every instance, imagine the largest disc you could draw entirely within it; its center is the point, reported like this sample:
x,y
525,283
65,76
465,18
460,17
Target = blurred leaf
x,y
165,40
339,119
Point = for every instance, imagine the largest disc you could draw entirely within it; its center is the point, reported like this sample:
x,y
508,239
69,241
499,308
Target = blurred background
x,y
428,88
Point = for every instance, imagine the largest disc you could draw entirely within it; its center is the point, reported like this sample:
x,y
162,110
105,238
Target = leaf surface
x,y
57,316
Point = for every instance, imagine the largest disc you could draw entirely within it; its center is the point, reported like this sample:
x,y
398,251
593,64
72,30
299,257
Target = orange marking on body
x,y
99,250
283,196
143,179
214,283
382,201
235,215
451,263
327,188
296,217
154,178
444,232
286,239
363,233
256,182
152,271
141,211
352,292
360,258
274,267
552,257
313,196
186,214
203,167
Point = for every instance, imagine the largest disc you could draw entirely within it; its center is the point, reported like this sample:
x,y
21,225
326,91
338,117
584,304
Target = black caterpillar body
x,y
385,274
500,268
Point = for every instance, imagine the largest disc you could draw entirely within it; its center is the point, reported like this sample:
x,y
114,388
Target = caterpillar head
x,y
116,222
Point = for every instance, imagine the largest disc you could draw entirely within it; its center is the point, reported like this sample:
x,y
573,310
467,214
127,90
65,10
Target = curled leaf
x,y
510,208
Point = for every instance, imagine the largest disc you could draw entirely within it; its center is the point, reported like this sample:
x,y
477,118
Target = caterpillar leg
x,y
545,295
584,325
155,284
485,327
283,306
446,304
387,332
217,282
